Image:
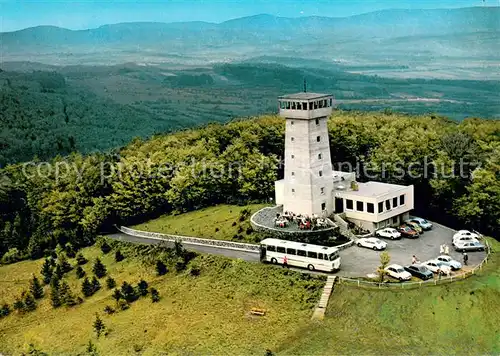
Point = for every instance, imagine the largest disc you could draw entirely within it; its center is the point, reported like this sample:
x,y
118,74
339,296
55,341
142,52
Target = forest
x,y
72,199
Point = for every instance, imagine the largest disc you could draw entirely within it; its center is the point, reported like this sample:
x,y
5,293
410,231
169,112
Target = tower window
x,y
288,105
348,204
304,106
291,122
322,190
380,207
318,138
359,206
370,208
293,174
317,121
293,156
293,190
395,202
320,173
402,199
320,156
323,206
293,139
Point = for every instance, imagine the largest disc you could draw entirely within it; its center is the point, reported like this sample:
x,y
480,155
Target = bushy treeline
x,y
238,163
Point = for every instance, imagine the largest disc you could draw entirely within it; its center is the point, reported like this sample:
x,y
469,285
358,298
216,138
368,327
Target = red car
x,y
408,232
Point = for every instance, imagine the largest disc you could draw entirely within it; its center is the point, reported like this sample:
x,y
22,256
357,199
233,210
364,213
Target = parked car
x,y
447,260
398,272
437,266
464,239
372,242
466,233
414,226
463,246
388,233
424,224
408,232
419,271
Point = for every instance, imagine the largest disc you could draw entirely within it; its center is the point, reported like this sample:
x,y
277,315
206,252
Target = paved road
x,y
358,261
247,256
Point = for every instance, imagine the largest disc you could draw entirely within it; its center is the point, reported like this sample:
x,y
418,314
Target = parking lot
x,y
358,261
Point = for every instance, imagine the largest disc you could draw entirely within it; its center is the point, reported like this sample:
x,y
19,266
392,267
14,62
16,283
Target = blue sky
x,y
19,14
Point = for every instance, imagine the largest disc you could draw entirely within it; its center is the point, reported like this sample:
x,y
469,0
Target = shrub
x,y
11,256
99,269
142,288
161,269
110,283
194,270
240,229
155,295
128,292
117,295
180,265
70,250
234,223
123,305
29,302
216,229
108,310
80,273
5,310
19,305
105,248
80,259
249,230
118,256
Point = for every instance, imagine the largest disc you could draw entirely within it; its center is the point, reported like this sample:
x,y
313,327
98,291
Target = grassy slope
x,y
459,318
202,223
205,314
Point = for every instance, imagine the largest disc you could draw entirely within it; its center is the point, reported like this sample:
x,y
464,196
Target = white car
x,y
372,242
461,239
436,266
465,233
388,233
447,260
398,272
424,224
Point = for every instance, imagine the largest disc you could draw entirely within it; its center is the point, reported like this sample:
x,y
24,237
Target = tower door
x,y
339,205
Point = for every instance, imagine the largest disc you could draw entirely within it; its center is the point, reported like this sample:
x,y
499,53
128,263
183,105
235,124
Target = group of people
x,y
303,222
444,249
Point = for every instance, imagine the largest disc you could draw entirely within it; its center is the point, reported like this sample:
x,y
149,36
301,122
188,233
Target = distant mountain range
x,y
393,34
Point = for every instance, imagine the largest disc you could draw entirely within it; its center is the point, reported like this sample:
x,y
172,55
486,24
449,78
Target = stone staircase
x,y
319,312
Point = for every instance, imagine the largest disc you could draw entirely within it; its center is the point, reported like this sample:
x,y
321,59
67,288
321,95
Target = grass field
x,y
203,314
221,222
208,314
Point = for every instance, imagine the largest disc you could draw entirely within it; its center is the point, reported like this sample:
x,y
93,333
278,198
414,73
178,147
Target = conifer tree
x,y
66,296
19,305
95,285
58,272
36,288
105,248
55,299
80,273
46,271
110,283
29,302
5,310
128,292
65,266
87,289
98,325
117,295
99,269
161,269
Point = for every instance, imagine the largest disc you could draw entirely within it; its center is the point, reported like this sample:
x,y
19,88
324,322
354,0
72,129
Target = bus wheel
x,y
274,261
310,268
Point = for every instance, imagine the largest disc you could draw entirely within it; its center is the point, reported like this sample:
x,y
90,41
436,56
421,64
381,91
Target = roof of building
x,y
304,96
375,189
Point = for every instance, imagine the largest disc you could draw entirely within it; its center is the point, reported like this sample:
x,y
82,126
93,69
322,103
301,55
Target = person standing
x,y
466,258
446,250
441,249
285,262
413,260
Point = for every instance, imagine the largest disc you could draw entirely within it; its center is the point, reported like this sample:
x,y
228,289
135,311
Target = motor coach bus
x,y
312,257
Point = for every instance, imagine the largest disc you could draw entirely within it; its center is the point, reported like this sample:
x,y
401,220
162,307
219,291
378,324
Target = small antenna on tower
x,y
305,86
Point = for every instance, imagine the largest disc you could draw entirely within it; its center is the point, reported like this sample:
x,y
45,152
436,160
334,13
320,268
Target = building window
x,y
293,105
292,139
293,156
394,202
304,106
320,173
291,122
395,220
402,199
310,106
323,206
318,138
387,204
370,208
317,121
293,174
322,191
320,156
380,207
348,204
331,102
288,105
293,190
359,206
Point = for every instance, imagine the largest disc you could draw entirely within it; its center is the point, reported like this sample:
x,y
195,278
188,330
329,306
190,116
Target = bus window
x,y
271,248
301,253
325,257
334,256
320,256
312,254
290,251
280,249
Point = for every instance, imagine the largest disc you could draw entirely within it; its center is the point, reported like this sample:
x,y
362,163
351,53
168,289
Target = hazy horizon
x,y
15,15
